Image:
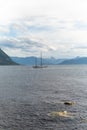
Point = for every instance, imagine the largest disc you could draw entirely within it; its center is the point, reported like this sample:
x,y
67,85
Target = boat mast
x,y
41,58
35,61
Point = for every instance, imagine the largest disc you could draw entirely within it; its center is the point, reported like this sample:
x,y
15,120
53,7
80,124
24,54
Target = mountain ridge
x,y
5,59
76,60
49,61
31,60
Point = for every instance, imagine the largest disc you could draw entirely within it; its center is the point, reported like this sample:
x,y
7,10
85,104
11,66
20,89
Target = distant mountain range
x,y
77,60
49,61
5,59
31,60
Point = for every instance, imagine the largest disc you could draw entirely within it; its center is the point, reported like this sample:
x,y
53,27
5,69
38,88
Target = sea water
x,y
29,95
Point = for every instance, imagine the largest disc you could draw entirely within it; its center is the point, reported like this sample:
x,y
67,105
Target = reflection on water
x,y
27,95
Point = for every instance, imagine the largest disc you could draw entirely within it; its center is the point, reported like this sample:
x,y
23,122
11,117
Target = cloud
x,y
32,35
23,46
53,26
4,29
80,25
60,9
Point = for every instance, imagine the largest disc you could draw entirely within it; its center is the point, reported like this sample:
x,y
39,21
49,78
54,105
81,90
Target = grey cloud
x,y
31,25
80,25
24,44
81,47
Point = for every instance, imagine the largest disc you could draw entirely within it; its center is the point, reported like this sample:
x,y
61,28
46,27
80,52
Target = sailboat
x,y
41,63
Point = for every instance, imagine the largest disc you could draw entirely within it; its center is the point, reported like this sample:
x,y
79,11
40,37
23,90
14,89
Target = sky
x,y
57,28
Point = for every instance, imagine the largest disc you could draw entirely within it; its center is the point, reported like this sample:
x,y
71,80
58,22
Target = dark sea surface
x,y
29,96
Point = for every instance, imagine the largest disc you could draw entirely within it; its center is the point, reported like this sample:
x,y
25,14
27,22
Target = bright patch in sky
x,y
56,27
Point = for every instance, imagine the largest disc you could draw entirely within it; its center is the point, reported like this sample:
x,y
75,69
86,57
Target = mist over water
x,y
27,95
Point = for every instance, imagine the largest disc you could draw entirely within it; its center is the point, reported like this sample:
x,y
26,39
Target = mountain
x,y
31,60
5,59
49,61
77,60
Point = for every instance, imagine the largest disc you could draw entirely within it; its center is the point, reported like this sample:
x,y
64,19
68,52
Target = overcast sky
x,y
58,28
